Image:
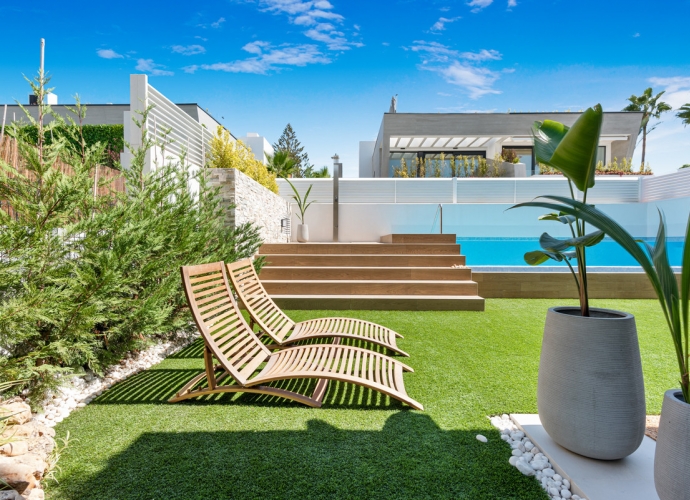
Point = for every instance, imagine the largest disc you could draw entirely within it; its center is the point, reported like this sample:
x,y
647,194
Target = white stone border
x,y
529,460
79,391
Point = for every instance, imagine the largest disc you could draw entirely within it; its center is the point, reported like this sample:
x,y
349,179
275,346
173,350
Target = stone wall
x,y
253,203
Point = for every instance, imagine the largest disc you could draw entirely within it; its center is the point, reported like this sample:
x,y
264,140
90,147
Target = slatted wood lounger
x,y
276,324
241,355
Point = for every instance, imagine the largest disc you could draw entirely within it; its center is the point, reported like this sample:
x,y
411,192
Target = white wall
x,y
259,145
366,152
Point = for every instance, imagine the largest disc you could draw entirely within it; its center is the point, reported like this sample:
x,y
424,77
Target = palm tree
x,y
281,163
684,113
651,107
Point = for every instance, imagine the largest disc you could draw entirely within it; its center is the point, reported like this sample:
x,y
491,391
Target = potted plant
x,y
510,165
302,205
590,390
672,456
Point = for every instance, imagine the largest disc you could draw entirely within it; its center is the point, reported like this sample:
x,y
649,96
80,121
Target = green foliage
x,y
651,107
85,279
321,173
288,143
302,204
110,136
281,164
228,153
684,114
571,151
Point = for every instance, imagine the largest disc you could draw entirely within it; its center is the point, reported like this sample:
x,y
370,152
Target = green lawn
x,y
131,444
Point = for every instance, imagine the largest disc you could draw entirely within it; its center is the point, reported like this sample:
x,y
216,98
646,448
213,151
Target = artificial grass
x,y
131,444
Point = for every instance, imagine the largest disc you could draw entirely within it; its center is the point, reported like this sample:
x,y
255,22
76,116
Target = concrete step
x,y
368,287
381,302
360,248
364,273
365,260
419,238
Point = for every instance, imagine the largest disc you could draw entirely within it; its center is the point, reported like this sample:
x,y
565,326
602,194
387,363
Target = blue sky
x,y
330,67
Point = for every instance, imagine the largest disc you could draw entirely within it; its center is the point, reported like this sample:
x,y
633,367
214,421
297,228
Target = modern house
x,y
119,114
405,138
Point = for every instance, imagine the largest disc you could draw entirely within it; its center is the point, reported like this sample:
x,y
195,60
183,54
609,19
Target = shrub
x,y
110,136
85,279
226,153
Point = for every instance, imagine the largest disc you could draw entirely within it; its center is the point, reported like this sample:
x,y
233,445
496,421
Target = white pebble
x,y
524,468
513,460
517,435
504,437
481,438
528,457
576,497
565,493
529,445
566,483
549,472
557,477
554,492
517,453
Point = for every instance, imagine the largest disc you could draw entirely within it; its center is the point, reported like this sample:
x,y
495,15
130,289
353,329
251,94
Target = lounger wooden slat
x,y
240,354
265,313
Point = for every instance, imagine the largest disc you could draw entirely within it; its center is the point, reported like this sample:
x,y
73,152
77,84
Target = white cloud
x,y
190,69
636,35
268,58
444,94
440,25
677,89
479,4
482,55
512,3
318,17
109,54
459,68
189,50
476,81
150,67
218,23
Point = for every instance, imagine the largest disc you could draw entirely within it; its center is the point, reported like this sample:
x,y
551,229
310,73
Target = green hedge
x,y
113,136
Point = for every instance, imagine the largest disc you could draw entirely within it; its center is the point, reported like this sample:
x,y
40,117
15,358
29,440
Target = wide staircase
x,y
410,272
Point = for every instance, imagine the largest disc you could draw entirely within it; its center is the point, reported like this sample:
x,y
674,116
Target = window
x,y
526,156
601,155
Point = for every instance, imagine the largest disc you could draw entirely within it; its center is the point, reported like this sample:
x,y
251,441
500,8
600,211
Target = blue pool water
x,y
510,251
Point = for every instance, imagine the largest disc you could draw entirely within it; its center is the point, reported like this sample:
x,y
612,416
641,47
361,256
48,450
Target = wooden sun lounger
x,y
242,357
283,331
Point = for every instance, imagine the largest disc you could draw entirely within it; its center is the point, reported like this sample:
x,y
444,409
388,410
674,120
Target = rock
x,y
576,497
535,451
57,420
539,464
517,435
20,412
481,438
524,468
557,477
529,445
35,462
81,405
554,492
528,457
10,495
549,472
16,475
504,437
566,493
517,453
14,448
566,483
19,431
42,446
36,494
513,460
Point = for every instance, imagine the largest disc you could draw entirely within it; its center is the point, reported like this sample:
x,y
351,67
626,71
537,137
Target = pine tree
x,y
289,143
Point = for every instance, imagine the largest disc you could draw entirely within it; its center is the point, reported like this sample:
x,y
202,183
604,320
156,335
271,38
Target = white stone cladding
x,y
252,203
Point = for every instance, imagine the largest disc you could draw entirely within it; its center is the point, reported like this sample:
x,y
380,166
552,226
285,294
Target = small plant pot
x,y
591,391
302,233
672,456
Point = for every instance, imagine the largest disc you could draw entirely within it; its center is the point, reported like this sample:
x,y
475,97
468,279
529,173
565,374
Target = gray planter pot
x,y
672,457
591,391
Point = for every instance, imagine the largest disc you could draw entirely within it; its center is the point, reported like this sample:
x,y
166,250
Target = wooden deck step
x,y
419,238
347,260
381,302
364,273
368,287
360,248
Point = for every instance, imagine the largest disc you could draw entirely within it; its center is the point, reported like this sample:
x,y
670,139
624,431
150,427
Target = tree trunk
x,y
644,145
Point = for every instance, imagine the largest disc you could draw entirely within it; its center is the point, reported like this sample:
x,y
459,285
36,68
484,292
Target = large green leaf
x,y
562,218
551,244
573,151
537,257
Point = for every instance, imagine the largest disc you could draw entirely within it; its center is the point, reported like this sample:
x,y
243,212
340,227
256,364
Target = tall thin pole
x,y
43,53
2,131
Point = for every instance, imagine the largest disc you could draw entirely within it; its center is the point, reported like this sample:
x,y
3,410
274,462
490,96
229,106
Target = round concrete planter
x,y
591,391
672,457
302,233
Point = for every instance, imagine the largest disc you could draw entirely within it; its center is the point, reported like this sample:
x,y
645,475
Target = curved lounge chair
x,y
274,322
241,355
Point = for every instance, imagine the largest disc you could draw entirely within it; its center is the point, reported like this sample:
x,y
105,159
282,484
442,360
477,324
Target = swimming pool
x,y
510,252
